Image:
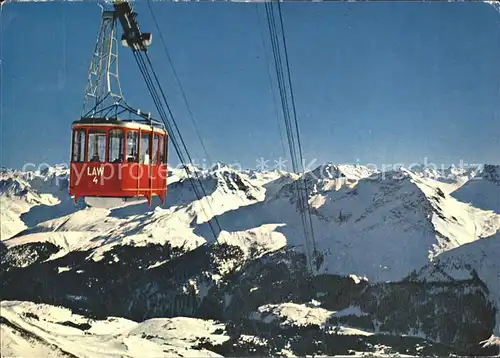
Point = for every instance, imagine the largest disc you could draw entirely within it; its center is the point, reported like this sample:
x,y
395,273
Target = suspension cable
x,y
291,123
146,71
271,88
296,124
183,93
286,114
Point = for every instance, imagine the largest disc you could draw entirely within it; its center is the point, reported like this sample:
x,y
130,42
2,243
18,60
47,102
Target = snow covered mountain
x,y
138,262
33,330
483,190
479,259
401,219
21,191
451,174
349,172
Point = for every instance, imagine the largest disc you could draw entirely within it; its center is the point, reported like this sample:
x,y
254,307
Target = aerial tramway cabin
x,y
113,161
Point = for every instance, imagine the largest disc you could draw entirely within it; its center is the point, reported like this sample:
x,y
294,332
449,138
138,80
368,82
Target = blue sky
x,y
374,82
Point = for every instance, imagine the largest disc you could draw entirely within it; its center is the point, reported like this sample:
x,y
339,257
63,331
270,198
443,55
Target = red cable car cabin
x,y
117,160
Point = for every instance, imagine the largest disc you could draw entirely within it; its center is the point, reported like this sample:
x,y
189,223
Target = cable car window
x,y
154,159
145,150
78,145
165,154
115,148
97,146
132,144
161,146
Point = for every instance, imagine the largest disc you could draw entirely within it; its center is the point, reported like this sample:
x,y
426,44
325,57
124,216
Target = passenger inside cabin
x,y
132,158
119,159
146,158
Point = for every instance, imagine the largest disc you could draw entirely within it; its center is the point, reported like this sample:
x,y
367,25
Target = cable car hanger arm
x,y
132,36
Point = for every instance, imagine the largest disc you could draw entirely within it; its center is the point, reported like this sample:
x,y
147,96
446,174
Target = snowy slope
x,y
39,330
263,177
102,229
293,314
454,173
451,174
17,196
449,179
137,224
482,191
481,258
402,219
226,189
350,172
331,176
